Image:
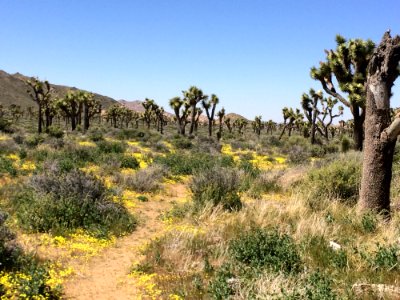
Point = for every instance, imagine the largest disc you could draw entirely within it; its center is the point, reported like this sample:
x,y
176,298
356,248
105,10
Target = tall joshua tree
x,y
207,104
348,64
257,125
310,107
149,106
181,110
380,131
193,96
40,92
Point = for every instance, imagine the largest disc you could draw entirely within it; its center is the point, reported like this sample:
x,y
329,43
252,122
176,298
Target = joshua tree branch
x,y
333,93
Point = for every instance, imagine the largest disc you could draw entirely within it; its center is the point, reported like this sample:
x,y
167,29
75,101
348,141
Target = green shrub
x,y
259,248
216,186
264,183
128,161
8,250
220,287
55,202
386,258
6,166
369,222
345,144
182,163
182,143
5,125
33,140
95,135
338,179
319,287
55,132
111,146
298,154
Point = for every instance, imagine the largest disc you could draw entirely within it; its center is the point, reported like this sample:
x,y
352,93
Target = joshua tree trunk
x,y
358,128
192,119
380,133
85,117
40,117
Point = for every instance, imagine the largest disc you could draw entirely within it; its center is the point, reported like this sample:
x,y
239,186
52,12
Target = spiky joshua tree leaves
x,y
295,117
348,64
380,131
181,110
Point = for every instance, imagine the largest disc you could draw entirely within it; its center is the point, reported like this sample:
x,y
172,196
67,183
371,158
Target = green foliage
x,y
259,248
182,163
56,202
345,144
319,287
95,135
5,125
338,179
369,222
33,140
220,288
111,146
216,186
55,132
128,161
386,258
6,166
8,250
299,154
142,198
264,183
182,143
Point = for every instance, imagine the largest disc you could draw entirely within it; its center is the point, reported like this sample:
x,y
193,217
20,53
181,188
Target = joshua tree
x,y
220,115
199,111
294,117
271,126
228,124
114,113
72,105
257,125
181,110
207,104
149,106
240,124
40,92
309,104
193,96
327,111
16,112
348,64
380,131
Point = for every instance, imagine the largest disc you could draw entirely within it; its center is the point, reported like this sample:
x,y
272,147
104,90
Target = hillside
x,y
13,91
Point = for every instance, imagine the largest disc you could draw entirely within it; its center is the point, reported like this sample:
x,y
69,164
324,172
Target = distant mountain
x,y
234,116
133,105
13,90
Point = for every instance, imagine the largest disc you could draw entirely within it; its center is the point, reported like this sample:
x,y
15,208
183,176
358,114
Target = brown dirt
x,y
106,275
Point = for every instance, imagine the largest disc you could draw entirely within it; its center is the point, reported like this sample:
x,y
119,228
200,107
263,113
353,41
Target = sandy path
x,y
105,276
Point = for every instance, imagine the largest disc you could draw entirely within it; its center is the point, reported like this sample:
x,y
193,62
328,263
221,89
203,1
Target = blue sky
x,y
254,54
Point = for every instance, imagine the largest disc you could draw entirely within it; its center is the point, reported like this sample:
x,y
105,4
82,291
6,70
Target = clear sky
x,y
254,54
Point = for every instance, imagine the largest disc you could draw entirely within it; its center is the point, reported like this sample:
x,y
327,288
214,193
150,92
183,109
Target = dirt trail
x,y
105,276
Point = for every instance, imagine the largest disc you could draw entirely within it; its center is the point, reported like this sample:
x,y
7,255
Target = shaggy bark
x,y
380,134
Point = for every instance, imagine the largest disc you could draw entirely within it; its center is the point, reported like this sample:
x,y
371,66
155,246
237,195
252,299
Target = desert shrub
x,y
6,166
369,222
319,287
266,182
33,140
95,135
386,258
345,144
111,147
317,151
145,180
55,132
216,186
182,163
271,140
220,287
57,201
339,179
182,143
259,248
298,154
8,146
128,161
